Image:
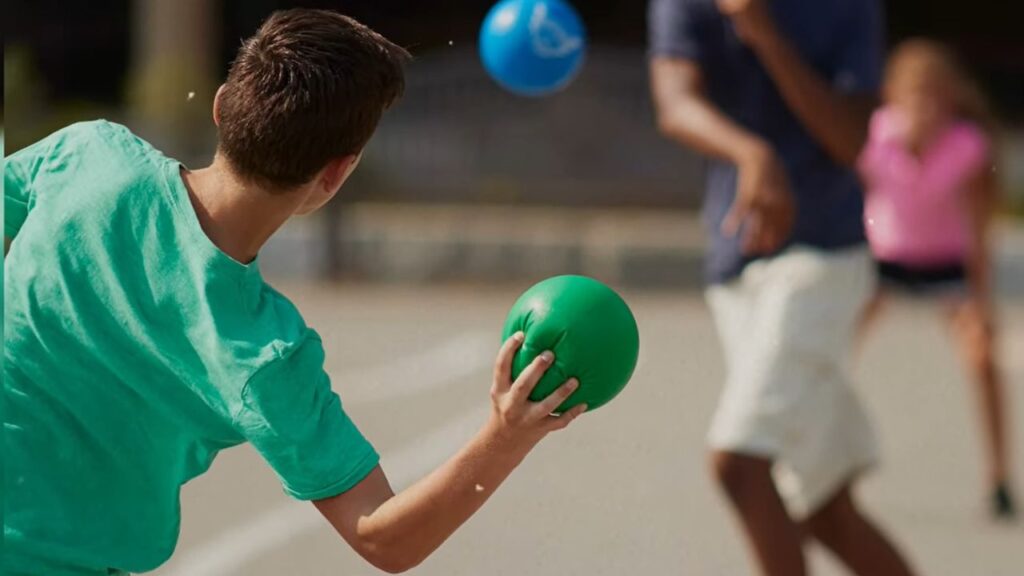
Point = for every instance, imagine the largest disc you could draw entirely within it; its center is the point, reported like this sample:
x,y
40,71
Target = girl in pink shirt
x,y
930,190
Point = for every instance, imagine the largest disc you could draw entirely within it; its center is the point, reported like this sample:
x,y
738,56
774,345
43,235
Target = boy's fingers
x,y
503,364
562,420
529,377
556,398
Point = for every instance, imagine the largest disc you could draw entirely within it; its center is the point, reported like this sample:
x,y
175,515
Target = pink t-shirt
x,y
915,209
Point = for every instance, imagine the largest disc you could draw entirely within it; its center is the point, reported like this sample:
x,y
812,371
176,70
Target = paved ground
x,y
622,492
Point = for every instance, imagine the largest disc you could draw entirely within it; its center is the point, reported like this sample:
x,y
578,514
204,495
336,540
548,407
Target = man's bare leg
x,y
771,533
858,543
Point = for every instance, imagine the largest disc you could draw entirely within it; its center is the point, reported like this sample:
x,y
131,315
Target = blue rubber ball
x,y
532,47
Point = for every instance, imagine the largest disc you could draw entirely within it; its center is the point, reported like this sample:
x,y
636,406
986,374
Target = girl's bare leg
x,y
976,338
869,319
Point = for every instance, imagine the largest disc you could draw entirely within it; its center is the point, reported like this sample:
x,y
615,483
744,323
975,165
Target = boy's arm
x,y
763,205
396,532
838,121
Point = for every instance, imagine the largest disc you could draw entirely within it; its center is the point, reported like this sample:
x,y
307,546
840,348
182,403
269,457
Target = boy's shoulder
x,y
95,130
93,143
101,135
98,160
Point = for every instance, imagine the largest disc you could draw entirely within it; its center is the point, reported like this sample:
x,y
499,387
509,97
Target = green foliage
x,y
33,114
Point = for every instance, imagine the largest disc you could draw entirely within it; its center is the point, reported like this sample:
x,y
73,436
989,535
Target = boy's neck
x,y
237,216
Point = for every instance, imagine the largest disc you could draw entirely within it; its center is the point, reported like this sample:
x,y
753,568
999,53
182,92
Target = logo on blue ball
x,y
532,47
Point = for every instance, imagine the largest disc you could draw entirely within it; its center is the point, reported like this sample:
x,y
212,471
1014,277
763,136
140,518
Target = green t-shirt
x,y
135,351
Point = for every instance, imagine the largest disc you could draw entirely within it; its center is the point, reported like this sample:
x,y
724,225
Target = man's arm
x,y
685,114
395,532
837,121
763,202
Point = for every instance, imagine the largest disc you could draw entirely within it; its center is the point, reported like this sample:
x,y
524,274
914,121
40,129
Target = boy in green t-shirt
x,y
142,340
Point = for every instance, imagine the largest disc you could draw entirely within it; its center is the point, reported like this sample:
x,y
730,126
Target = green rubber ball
x,y
589,328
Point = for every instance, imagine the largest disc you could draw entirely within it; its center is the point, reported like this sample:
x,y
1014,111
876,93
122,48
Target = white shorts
x,y
787,326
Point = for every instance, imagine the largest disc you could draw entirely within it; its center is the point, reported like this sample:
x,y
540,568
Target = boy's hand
x,y
398,531
517,423
763,209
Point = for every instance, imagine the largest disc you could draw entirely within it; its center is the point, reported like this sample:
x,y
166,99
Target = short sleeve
x,y
21,172
969,149
861,54
673,29
883,133
296,422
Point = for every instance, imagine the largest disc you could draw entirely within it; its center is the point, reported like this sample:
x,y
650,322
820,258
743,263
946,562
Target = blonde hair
x,y
928,57
923,56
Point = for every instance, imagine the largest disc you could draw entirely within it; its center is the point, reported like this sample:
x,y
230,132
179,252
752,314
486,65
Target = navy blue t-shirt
x,y
843,41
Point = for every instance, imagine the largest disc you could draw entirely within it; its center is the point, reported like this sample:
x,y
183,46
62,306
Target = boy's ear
x,y
338,170
216,106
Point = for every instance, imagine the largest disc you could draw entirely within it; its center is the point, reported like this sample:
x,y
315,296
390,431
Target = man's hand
x,y
516,422
752,19
764,209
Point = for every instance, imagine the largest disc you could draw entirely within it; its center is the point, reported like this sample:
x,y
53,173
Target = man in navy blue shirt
x,y
778,94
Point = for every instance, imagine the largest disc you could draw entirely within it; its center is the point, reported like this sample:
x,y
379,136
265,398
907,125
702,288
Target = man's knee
x,y
738,474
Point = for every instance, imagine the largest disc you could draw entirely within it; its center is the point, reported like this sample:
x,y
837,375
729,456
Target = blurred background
x,y
463,182
466,196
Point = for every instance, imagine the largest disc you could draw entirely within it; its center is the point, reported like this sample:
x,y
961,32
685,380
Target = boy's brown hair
x,y
309,86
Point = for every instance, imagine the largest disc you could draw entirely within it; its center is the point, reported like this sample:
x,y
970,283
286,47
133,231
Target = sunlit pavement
x,y
624,491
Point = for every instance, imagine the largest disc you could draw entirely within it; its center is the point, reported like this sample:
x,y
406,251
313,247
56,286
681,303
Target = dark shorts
x,y
924,280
